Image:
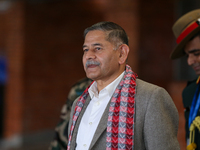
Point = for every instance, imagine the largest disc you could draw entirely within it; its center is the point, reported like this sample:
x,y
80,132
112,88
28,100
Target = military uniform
x,y
187,95
61,130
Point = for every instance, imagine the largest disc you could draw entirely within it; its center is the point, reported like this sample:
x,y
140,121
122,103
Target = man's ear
x,y
123,50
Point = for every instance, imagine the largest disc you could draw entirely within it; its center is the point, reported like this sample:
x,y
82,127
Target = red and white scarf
x,y
120,124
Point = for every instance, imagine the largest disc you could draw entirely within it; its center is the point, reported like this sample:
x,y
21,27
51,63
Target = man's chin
x,y
197,73
91,76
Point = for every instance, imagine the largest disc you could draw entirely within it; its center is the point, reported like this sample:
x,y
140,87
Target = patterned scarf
x,y
120,125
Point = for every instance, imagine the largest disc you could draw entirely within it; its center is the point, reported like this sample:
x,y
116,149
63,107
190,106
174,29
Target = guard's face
x,y
192,50
100,60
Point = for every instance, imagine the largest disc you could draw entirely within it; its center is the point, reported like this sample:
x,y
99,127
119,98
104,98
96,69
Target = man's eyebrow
x,y
193,51
95,44
84,46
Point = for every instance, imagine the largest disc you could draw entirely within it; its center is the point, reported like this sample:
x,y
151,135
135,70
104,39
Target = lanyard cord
x,y
195,106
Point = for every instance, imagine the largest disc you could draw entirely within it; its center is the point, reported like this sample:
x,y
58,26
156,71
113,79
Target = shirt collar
x,y
109,88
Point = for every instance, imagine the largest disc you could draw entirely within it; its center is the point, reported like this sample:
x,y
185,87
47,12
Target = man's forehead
x,y
193,45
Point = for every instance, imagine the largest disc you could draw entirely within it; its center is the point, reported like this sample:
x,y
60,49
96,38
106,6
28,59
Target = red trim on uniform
x,y
186,32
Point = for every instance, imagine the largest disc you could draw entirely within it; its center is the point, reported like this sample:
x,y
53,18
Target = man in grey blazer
x,y
118,111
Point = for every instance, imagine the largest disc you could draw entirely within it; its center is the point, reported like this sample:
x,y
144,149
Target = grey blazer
x,y
156,122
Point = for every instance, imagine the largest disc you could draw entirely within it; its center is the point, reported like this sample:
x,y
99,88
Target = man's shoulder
x,y
188,93
145,85
78,88
191,84
146,89
190,88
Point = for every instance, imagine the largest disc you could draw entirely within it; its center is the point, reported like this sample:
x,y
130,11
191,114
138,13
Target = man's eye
x,y
85,50
98,48
197,54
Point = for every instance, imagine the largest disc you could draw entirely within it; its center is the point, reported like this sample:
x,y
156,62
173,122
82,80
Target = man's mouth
x,y
196,68
91,64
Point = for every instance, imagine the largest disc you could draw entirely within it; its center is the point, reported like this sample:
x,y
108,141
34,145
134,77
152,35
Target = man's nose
x,y
190,59
90,54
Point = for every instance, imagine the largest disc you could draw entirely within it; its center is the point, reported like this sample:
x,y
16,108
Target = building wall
x,y
44,52
155,45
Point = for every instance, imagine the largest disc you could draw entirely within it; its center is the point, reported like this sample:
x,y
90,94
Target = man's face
x,y
100,60
192,50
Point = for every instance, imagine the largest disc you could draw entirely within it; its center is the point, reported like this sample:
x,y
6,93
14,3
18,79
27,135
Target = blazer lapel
x,y
101,127
73,140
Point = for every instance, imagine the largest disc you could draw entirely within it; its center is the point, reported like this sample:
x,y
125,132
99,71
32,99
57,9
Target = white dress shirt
x,y
94,112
